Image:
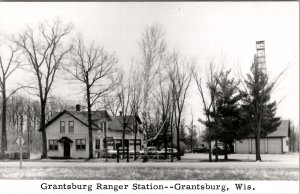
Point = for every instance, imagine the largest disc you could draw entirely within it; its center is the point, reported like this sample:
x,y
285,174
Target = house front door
x,y
67,150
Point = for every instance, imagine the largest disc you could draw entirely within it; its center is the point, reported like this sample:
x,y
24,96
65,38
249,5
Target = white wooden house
x,y
67,133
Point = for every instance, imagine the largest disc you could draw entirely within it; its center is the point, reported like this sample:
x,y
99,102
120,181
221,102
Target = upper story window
x,y
71,126
62,127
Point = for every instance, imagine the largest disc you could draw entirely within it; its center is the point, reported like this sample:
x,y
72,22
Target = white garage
x,y
274,143
242,146
275,146
263,145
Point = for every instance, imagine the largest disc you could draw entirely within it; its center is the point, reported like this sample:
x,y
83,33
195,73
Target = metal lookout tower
x,y
260,52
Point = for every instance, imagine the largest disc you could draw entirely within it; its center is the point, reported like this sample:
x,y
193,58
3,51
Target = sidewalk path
x,y
200,165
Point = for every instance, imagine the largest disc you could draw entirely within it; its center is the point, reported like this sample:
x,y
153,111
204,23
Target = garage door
x,y
262,146
274,146
242,147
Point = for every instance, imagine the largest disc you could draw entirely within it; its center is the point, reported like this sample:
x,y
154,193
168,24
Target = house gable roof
x,y
117,121
282,130
81,117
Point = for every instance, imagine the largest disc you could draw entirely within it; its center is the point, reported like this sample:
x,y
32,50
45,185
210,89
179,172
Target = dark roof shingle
x,y
282,130
117,122
81,117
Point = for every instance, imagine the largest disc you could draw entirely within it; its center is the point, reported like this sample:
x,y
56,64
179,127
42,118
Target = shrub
x,y
14,155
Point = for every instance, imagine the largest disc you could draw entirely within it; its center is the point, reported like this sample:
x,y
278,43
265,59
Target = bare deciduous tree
x,y
180,78
208,106
153,48
128,101
8,65
44,51
164,99
94,69
123,94
192,133
135,103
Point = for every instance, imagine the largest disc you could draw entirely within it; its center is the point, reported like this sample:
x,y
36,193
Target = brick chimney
x,y
77,107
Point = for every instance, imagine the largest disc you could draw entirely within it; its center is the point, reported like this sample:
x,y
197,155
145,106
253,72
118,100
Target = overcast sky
x,y
223,31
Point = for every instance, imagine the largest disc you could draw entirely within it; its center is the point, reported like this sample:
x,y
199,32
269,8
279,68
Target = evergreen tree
x,y
258,113
227,114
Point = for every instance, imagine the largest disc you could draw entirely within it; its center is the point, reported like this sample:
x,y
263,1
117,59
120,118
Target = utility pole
x,y
20,142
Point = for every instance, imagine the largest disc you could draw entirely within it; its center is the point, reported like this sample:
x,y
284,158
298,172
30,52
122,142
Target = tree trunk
x,y
178,142
257,147
123,141
17,123
34,123
91,155
4,134
209,152
225,152
28,131
165,136
43,129
216,154
172,143
21,123
135,134
165,145
191,141
105,141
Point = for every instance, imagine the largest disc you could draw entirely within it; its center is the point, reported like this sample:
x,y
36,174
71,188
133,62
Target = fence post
x,y
118,159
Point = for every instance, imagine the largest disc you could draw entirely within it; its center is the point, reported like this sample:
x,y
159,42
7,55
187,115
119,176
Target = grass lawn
x,y
137,173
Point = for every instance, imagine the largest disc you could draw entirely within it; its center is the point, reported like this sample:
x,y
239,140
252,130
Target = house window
x,y
97,146
62,127
53,145
131,142
118,142
110,143
80,144
138,142
71,126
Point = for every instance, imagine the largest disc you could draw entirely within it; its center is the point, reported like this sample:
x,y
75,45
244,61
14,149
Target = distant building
x,y
274,143
67,133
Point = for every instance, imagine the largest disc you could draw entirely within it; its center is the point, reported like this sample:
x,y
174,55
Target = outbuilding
x,y
274,143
